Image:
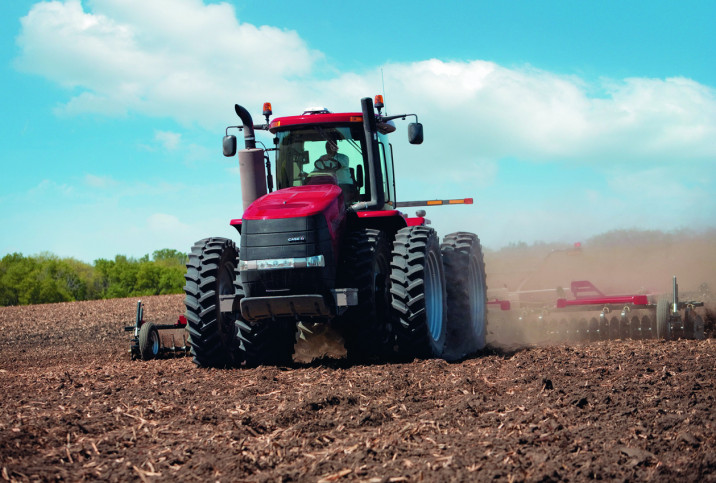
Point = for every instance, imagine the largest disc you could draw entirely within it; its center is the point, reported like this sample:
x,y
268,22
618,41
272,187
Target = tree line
x,y
46,278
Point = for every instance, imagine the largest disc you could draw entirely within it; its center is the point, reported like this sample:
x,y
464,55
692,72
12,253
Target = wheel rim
x,y
154,337
433,296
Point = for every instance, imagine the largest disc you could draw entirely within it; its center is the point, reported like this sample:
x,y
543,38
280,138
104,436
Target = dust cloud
x,y
317,341
533,277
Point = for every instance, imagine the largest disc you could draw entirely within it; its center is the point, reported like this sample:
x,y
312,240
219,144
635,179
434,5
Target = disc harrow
x,y
592,315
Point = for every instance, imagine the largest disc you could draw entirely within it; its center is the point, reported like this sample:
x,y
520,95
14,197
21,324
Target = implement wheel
x,y
210,273
418,293
148,341
366,266
466,294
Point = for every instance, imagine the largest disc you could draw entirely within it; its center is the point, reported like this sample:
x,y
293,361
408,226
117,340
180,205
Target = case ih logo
x,y
296,239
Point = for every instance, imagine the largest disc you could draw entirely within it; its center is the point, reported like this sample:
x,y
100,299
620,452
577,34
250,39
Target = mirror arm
x,y
399,116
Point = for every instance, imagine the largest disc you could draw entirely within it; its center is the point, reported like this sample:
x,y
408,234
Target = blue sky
x,y
561,119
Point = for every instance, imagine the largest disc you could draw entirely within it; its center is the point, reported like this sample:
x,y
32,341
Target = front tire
x,y
210,274
418,293
466,294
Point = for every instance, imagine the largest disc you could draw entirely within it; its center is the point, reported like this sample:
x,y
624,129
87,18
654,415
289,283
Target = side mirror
x,y
415,133
359,180
229,145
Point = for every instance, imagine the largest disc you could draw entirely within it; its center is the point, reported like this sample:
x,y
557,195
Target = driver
x,y
336,165
335,162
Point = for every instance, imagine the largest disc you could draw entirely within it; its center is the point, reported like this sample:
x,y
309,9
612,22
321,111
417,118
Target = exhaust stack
x,y
253,176
251,160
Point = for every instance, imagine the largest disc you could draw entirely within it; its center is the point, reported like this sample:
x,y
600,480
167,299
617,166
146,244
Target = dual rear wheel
x,y
439,294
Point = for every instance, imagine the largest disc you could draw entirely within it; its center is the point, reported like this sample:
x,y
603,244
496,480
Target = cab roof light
x,y
316,110
378,103
267,111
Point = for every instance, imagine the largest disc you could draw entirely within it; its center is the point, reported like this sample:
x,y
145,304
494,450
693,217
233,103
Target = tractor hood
x,y
298,201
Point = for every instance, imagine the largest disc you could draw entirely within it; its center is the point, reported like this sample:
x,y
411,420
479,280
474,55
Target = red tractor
x,y
330,245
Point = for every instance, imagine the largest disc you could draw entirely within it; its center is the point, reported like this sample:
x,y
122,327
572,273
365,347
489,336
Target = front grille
x,y
287,238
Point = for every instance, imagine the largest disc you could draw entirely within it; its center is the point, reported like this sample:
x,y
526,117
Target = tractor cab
x,y
320,147
350,150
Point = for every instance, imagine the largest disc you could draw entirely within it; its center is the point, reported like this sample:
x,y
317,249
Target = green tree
x,y
46,278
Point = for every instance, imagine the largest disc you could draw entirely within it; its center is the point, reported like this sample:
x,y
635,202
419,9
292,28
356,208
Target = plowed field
x,y
73,407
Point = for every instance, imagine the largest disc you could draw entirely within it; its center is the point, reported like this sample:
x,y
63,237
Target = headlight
x,y
282,263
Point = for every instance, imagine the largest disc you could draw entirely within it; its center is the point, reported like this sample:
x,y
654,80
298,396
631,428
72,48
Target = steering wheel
x,y
327,164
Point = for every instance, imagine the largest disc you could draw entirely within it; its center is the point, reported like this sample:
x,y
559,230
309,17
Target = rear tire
x,y
418,293
210,273
148,341
466,290
366,266
663,313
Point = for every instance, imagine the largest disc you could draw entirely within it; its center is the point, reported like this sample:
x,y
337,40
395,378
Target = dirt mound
x,y
75,407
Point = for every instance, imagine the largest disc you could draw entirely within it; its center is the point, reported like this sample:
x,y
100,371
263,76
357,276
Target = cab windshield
x,y
319,155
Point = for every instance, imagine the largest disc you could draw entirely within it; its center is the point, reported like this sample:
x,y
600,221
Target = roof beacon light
x,y
378,103
267,111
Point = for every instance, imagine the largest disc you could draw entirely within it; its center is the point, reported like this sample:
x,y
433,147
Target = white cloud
x,y
95,181
181,59
536,115
169,140
165,224
190,61
48,187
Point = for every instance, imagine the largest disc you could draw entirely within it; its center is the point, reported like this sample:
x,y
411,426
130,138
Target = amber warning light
x,y
378,101
267,109
459,201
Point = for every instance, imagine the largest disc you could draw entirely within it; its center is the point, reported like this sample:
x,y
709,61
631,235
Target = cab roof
x,y
308,118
